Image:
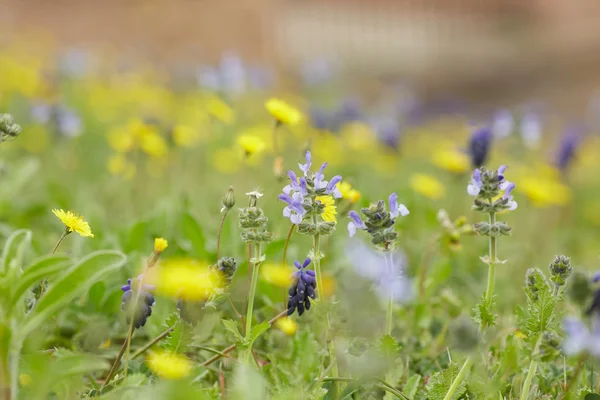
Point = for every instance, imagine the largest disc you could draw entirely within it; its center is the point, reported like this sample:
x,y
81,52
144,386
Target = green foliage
x,y
181,337
440,383
483,314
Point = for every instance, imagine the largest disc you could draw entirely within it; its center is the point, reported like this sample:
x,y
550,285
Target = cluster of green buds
x,y
8,128
492,195
560,270
451,231
254,222
226,267
535,280
379,221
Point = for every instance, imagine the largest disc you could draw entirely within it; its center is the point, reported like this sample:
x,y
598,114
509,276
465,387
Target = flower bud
x,y
560,270
534,279
8,127
227,266
307,228
482,228
325,228
228,200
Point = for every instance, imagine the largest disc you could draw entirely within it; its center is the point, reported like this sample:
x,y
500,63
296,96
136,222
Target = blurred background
x,y
505,50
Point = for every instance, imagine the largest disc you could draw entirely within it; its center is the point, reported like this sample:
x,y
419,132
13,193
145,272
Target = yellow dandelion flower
x,y
73,222
251,144
185,136
330,211
221,110
287,326
169,365
348,192
283,112
160,245
185,279
118,165
276,274
451,160
428,186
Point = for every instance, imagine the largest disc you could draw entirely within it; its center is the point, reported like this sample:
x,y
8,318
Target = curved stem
x,y
284,261
115,365
459,378
576,373
531,372
219,235
60,240
152,343
251,295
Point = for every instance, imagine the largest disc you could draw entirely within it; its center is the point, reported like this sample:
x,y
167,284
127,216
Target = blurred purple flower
x,y
503,123
579,339
474,187
531,129
479,146
395,208
356,223
569,143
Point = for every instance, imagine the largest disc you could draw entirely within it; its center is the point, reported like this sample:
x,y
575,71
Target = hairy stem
x,y
219,234
531,372
251,295
462,374
115,365
330,344
390,304
489,292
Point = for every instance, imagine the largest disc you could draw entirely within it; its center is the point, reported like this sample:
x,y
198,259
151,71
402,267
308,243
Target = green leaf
x,y
412,386
78,364
180,338
40,269
248,384
192,231
232,327
129,388
388,345
14,249
75,282
259,329
440,383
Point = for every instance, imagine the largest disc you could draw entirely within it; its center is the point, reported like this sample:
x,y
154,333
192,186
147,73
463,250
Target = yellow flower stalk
x,y
283,112
74,223
169,365
330,211
428,186
287,326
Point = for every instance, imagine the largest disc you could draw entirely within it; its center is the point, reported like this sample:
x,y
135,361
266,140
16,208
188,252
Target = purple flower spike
x,y
501,171
311,273
295,210
297,264
306,167
508,187
127,287
320,183
303,186
395,208
306,262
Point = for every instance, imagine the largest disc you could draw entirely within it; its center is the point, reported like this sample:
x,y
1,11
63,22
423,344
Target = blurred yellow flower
x,y
330,211
169,365
451,160
358,136
283,112
105,344
185,136
74,222
160,244
326,146
329,285
544,192
348,192
121,140
185,279
251,144
153,144
25,379
276,274
221,110
118,165
287,326
428,186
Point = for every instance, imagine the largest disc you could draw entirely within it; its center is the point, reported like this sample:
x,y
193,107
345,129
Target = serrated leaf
x,y
440,383
259,329
73,283
232,327
193,232
14,249
412,386
388,346
180,338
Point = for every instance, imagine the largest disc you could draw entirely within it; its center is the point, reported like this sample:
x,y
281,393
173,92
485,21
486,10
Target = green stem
x,y
14,358
462,374
115,365
152,343
532,370
489,292
62,237
330,344
284,261
219,235
250,309
390,305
